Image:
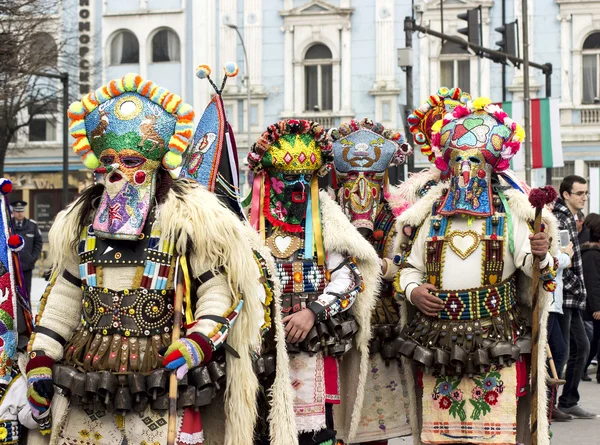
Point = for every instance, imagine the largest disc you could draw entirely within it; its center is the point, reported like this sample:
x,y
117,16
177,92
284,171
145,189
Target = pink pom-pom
x,y
441,164
436,139
460,111
15,243
539,197
397,211
514,146
500,115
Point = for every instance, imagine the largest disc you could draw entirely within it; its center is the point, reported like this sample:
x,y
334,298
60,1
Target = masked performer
x,y
104,330
362,153
464,274
329,275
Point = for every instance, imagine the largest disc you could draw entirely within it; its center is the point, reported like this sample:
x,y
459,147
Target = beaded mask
x,y
470,144
125,131
362,153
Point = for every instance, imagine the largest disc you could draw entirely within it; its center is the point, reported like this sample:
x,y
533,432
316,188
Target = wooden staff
x,y
177,316
554,380
538,198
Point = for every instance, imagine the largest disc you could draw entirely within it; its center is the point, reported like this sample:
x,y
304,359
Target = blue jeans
x,y
578,350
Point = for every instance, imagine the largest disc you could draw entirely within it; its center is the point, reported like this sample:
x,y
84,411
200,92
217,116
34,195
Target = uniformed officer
x,y
30,232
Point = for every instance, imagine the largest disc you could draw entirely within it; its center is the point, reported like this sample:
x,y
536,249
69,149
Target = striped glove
x,y
187,353
40,390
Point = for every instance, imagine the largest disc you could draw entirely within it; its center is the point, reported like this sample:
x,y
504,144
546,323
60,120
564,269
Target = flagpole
x,y
526,95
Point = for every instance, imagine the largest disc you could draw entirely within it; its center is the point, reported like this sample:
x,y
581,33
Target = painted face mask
x,y
126,131
470,145
288,196
362,153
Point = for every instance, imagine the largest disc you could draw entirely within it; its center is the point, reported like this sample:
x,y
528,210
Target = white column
x,y
288,4
253,39
384,42
565,58
346,68
228,39
288,70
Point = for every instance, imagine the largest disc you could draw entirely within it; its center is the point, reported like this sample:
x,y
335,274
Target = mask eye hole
x,y
474,160
132,161
459,159
370,175
353,175
107,160
290,177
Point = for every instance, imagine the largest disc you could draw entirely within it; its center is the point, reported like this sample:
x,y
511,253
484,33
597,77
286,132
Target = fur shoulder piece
x,y
64,236
410,190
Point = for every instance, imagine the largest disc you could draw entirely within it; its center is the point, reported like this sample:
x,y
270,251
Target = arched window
x,y
455,66
165,46
43,50
318,79
124,48
591,60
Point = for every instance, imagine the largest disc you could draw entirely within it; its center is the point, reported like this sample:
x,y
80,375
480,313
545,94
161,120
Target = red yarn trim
x,y
294,228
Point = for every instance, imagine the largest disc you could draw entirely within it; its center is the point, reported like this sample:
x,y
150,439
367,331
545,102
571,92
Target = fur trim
x,y
341,236
408,191
195,219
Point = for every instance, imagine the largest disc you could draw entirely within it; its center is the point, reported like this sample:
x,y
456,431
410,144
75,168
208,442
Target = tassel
x,y
316,220
189,316
257,199
511,235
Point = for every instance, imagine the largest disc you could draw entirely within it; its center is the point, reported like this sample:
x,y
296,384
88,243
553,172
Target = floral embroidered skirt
x,y
481,409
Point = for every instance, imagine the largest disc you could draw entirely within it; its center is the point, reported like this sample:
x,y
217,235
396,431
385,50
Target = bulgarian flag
x,y
594,186
546,146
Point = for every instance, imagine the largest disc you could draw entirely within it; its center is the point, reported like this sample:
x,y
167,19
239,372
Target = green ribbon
x,y
511,236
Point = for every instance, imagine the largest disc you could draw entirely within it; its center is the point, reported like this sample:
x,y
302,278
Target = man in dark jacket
x,y
30,232
590,255
573,195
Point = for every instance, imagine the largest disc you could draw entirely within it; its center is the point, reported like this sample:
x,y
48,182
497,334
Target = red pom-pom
x,y
15,243
539,197
378,234
5,186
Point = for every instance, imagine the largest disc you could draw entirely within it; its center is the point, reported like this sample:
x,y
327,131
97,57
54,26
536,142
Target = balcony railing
x,y
590,116
325,121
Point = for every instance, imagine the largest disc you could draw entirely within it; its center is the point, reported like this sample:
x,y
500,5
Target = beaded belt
x,y
9,431
130,312
302,277
476,304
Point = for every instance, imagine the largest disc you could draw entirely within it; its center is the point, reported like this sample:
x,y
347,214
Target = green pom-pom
x,y
171,160
91,161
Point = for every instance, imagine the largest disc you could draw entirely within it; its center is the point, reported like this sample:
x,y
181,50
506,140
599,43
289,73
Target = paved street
x,y
576,432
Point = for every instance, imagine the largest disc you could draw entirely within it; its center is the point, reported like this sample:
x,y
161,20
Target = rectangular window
x,y
41,130
456,73
385,110
447,73
311,87
590,79
253,115
464,75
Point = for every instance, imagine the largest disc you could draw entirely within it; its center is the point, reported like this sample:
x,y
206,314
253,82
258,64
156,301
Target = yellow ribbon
x,y
316,215
189,316
261,213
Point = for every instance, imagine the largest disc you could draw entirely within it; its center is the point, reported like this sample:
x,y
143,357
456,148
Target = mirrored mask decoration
x,y
471,144
362,153
125,131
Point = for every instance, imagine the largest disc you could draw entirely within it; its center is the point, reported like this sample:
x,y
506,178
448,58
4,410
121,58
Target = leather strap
x,y
50,333
209,275
71,278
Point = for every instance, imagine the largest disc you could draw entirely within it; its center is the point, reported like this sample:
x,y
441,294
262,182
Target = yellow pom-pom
x,y
435,128
520,133
171,160
481,102
91,161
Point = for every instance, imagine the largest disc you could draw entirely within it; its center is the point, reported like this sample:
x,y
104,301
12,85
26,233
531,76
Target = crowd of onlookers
x,y
574,318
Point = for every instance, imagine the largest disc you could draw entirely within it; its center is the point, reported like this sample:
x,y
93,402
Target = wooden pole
x,y
177,316
535,333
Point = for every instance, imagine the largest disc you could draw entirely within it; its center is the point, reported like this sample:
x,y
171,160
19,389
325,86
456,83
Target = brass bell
x,y
334,326
437,225
92,379
200,377
140,405
182,383
204,396
217,372
156,383
441,360
63,377
78,387
481,359
374,345
470,366
123,403
187,397
458,359
161,403
311,343
385,331
423,356
515,353
387,351
324,335
501,351
107,386
408,347
137,386
524,343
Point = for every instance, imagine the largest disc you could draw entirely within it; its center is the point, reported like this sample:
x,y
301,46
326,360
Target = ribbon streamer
x,y
316,220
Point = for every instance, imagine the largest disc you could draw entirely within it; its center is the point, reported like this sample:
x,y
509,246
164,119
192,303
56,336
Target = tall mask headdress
x,y
287,160
470,144
212,158
362,153
125,131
